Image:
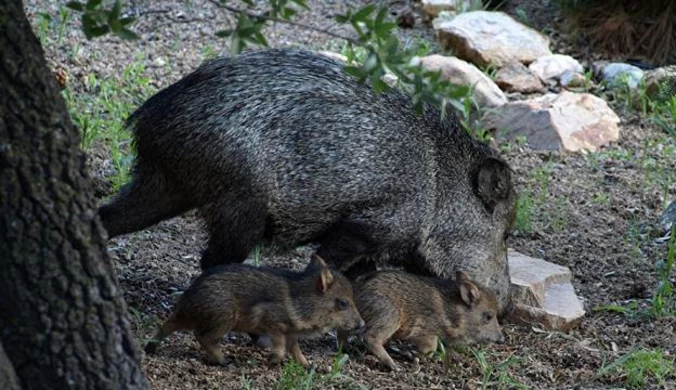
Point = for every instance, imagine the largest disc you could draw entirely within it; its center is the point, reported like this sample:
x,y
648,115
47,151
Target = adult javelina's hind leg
x,y
147,200
236,223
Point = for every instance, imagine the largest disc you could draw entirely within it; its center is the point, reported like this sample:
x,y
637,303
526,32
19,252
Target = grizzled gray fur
x,y
280,146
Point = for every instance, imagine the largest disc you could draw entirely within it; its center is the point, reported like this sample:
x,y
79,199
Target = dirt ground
x,y
596,214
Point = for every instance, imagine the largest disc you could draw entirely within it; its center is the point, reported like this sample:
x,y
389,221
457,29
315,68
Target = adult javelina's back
x,y
284,147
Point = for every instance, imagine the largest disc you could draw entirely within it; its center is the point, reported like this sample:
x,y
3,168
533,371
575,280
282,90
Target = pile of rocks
x,y
542,96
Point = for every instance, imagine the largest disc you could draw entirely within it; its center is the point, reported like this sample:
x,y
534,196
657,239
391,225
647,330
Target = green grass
x,y
601,198
542,176
51,29
535,203
100,110
631,309
664,300
524,213
558,220
246,382
146,324
660,108
497,376
522,16
294,376
638,367
257,255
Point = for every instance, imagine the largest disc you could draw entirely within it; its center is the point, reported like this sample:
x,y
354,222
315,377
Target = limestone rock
x,y
571,79
554,66
543,293
516,77
656,77
434,7
668,217
567,121
457,71
619,74
495,38
390,79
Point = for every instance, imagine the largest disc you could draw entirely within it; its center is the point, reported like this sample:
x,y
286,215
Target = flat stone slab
x,y
543,293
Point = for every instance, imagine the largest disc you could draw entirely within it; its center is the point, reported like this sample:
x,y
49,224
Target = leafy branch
x,y
374,31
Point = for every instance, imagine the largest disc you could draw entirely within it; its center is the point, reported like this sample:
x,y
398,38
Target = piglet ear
x,y
461,276
317,261
324,280
469,292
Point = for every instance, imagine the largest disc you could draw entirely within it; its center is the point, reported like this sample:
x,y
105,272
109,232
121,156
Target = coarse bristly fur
x,y
399,305
282,147
282,304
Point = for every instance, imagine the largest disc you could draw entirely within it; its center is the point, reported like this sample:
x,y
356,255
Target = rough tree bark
x,y
63,323
8,379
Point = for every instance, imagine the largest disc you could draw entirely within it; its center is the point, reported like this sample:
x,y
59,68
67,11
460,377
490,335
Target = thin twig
x,y
154,11
157,26
279,20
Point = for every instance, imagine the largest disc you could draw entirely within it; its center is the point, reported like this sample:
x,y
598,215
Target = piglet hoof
x,y
410,356
395,368
261,340
225,362
274,360
151,347
218,361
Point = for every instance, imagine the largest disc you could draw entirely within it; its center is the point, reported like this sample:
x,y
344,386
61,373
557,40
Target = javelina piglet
x,y
400,305
275,302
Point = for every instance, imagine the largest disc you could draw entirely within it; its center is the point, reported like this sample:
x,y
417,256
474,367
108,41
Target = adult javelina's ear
x,y
493,182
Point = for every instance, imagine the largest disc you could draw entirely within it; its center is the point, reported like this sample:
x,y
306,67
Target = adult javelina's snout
x,y
283,147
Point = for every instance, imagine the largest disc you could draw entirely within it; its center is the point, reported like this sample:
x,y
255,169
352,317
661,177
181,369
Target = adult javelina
x,y
281,146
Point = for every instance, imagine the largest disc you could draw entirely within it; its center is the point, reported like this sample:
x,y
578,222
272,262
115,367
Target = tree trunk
x,y
63,323
8,379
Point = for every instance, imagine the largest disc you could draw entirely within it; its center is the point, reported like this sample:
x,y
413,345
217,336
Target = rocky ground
x,y
595,213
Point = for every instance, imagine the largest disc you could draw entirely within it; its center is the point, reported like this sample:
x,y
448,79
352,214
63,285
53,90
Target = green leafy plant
x,y
384,53
296,377
98,21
